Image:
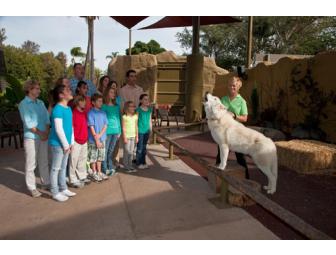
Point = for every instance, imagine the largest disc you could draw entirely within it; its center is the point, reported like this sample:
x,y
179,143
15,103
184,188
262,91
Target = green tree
x,y
3,36
31,47
52,68
286,35
152,47
62,58
76,52
22,64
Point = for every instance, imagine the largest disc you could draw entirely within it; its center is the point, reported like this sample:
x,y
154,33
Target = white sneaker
x,y
96,177
60,197
103,176
68,193
141,166
145,166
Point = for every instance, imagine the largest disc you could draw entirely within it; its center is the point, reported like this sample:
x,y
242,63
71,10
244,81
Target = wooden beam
x,y
291,219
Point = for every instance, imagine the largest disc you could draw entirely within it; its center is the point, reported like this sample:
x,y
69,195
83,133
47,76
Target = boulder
x,y
274,134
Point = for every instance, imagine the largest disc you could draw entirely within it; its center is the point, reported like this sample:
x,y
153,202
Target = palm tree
x,y
31,47
113,55
76,52
89,53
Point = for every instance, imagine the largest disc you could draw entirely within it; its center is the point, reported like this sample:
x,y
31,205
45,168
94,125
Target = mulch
x,y
311,197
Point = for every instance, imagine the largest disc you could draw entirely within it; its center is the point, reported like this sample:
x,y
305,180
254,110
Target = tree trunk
x,y
92,55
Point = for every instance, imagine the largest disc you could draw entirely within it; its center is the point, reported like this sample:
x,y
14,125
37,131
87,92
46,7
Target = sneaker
x,y
141,166
35,193
86,181
103,176
60,197
96,177
145,166
113,172
68,193
77,185
131,170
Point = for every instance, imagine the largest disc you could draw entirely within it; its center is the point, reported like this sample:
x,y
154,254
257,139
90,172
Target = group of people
x,y
82,130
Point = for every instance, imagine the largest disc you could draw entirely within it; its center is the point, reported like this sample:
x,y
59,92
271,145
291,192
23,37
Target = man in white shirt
x,y
131,91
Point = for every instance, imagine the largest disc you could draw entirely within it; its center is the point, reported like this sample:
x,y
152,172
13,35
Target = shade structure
x,y
186,21
128,21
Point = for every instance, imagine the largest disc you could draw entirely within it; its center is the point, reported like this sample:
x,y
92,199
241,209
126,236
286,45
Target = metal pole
x,y
196,32
129,42
249,42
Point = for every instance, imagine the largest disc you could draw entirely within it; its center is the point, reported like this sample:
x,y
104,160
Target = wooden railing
x,y
291,219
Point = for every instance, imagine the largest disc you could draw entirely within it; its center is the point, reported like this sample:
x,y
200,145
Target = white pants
x,y
77,162
36,154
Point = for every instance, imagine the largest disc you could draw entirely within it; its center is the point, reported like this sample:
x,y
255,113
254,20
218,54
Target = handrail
x,y
291,219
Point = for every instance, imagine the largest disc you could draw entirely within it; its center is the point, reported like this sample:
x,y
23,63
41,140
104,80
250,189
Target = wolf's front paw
x,y
222,166
267,187
270,191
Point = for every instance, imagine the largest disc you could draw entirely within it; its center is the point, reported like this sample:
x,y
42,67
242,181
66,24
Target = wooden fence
x,y
291,219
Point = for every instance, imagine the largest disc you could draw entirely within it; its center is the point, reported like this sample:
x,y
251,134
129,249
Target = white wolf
x,y
229,134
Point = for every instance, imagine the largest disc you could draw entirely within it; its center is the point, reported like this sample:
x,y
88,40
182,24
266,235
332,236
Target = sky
x,y
61,33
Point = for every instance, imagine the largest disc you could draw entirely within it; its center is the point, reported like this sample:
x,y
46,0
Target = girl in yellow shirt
x,y
130,134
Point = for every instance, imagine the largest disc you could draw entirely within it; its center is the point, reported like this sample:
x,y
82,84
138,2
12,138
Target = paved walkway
x,y
168,201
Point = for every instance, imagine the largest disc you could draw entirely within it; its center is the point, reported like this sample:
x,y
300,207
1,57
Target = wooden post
x,y
154,137
224,191
171,151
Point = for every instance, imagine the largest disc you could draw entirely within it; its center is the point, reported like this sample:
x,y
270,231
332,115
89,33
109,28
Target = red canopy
x,y
186,21
128,21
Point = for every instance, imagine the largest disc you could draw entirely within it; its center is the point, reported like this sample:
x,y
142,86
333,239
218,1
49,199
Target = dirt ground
x,y
310,197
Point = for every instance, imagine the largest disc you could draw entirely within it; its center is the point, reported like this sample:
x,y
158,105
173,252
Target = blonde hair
x,y
77,99
29,85
127,106
236,78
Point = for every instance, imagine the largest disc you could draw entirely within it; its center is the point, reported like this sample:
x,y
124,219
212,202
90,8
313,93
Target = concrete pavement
x,y
167,201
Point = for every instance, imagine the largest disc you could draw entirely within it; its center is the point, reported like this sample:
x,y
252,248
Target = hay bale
x,y
237,198
306,156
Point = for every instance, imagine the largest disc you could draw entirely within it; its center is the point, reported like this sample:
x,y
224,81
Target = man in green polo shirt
x,y
236,105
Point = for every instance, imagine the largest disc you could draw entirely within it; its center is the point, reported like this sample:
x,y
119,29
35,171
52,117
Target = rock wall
x,y
144,64
146,67
271,79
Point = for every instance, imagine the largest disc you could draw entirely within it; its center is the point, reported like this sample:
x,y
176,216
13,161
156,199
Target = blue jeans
x,y
110,143
58,169
142,149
